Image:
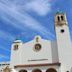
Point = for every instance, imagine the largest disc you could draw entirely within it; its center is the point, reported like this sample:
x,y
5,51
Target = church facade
x,y
40,55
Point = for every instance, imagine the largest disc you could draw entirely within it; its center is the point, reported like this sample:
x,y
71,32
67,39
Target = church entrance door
x,y
51,70
37,70
23,71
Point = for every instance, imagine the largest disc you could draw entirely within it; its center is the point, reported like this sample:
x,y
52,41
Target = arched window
x,y
51,70
36,70
15,47
62,18
23,71
37,47
58,18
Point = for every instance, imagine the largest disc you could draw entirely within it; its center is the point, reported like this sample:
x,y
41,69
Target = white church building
x,y
40,55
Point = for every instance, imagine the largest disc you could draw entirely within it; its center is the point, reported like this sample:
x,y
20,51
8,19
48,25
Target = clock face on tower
x,y
37,47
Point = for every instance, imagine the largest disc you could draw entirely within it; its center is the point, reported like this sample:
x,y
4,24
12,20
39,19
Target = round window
x,y
62,30
37,47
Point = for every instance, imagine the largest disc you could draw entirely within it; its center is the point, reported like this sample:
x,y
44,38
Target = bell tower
x,y
15,52
63,40
60,19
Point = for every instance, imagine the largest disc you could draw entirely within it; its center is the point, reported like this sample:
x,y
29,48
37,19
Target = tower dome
x,y
17,40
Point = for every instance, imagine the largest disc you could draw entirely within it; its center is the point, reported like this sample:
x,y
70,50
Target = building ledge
x,y
35,65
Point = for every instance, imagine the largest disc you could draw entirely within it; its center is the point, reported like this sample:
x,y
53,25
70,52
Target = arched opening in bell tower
x,y
58,18
62,18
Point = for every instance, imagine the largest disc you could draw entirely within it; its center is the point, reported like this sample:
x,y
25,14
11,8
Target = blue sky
x,y
28,18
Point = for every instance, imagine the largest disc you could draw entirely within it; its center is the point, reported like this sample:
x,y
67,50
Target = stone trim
x,y
35,65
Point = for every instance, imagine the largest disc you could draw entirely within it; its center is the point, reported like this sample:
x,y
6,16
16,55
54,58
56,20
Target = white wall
x,y
28,52
64,47
54,48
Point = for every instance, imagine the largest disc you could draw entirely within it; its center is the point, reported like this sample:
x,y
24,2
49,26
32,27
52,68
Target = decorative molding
x,y
36,65
60,24
38,60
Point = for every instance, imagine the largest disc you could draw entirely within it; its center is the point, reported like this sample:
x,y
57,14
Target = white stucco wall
x,y
26,53
64,47
54,48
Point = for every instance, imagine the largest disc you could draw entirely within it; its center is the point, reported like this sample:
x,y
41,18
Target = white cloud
x,y
25,20
3,56
6,35
41,7
4,48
